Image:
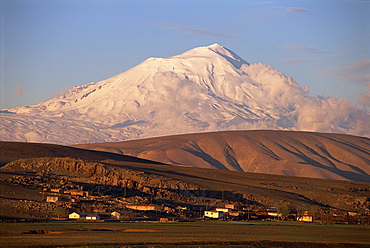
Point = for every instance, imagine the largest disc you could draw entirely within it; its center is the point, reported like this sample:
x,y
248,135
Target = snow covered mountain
x,y
205,89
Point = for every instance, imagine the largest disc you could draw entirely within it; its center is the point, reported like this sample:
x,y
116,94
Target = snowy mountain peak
x,y
213,52
228,54
207,88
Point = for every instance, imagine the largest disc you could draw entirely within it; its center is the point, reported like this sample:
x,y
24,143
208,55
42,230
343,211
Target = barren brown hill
x,y
10,151
303,154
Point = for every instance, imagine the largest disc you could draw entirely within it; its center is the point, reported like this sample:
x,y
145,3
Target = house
x,y
225,210
351,213
53,198
214,214
58,191
117,214
92,217
305,218
77,192
181,208
78,215
236,213
168,220
145,207
273,214
100,211
230,206
163,220
167,209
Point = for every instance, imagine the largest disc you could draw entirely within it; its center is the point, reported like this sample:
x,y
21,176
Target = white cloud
x,y
362,66
357,72
294,9
61,92
297,60
303,48
297,47
338,54
294,109
364,99
323,114
259,3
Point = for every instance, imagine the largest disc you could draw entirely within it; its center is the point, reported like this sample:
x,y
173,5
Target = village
x,y
105,207
67,200
84,205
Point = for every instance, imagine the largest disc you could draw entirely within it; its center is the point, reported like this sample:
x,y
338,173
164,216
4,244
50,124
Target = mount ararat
x,y
204,89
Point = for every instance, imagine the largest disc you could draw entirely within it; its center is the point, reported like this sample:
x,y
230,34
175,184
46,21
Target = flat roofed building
x,y
92,217
214,214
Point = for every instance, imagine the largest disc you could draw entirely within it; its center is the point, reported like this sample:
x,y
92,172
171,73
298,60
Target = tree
x,y
283,209
314,211
60,212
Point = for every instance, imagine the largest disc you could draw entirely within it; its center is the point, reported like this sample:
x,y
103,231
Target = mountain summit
x,y
204,89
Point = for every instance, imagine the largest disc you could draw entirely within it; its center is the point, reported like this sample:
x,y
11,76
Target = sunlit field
x,y
186,234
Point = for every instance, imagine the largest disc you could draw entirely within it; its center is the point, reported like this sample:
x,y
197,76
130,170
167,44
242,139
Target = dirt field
x,y
185,234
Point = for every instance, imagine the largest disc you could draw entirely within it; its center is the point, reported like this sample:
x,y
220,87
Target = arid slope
x,y
10,151
303,154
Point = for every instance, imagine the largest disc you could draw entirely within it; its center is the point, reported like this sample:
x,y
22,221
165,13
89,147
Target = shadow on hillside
x,y
210,160
11,151
361,176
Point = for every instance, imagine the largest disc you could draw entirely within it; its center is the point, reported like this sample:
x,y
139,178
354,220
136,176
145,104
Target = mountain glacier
x,y
204,89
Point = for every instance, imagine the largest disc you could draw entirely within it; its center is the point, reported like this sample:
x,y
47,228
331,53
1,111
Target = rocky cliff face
x,y
101,173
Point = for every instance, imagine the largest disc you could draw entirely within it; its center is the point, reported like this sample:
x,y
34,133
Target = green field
x,y
183,234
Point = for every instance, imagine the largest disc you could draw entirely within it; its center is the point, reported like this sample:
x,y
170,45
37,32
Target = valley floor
x,y
183,234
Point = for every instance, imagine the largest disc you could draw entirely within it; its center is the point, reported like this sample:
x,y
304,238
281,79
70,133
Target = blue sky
x,y
48,46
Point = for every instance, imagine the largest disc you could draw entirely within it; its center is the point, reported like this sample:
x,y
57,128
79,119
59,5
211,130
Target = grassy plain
x,y
183,234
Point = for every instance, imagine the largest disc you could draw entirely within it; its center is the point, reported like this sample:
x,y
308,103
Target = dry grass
x,y
206,233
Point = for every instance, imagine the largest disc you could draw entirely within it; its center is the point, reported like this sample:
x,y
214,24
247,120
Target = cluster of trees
x,y
326,216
